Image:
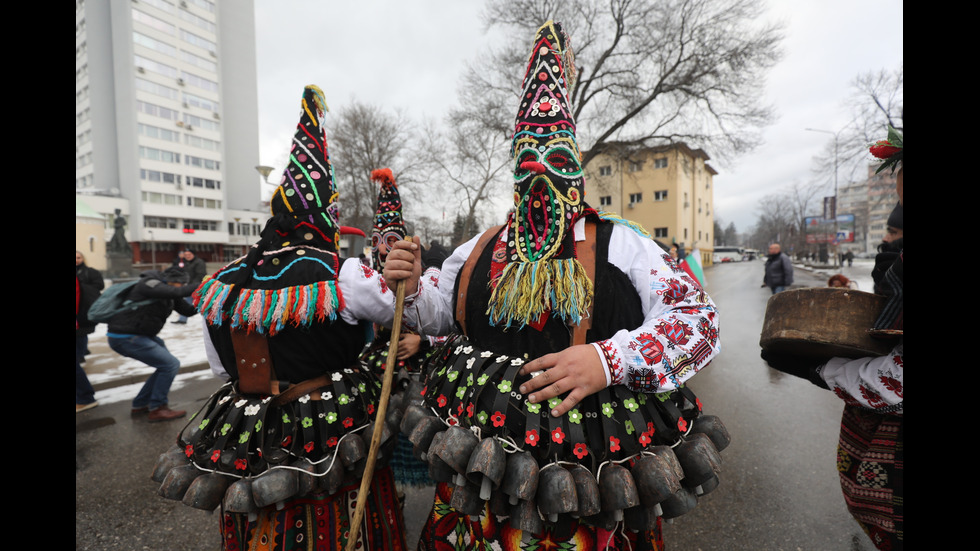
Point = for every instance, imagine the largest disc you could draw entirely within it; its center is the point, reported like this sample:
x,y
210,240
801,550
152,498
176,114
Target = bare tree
x,y
782,217
473,156
363,138
649,71
876,101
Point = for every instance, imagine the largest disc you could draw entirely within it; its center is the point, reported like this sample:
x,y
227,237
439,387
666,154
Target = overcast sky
x,y
409,55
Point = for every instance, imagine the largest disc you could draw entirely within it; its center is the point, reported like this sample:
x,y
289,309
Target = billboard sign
x,y
821,230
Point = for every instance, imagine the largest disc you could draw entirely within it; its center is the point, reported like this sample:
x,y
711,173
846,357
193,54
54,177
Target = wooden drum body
x,y
824,322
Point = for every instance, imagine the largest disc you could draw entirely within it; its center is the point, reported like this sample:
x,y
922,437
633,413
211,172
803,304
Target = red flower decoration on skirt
x,y
557,435
498,419
682,424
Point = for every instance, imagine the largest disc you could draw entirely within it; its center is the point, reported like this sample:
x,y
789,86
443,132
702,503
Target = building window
x,y
605,200
155,154
157,176
636,166
660,163
203,225
203,182
605,170
202,162
636,198
159,222
660,232
660,195
161,198
203,203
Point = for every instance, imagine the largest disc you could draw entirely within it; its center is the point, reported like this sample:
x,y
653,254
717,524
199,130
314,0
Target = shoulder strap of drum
x,y
585,252
467,271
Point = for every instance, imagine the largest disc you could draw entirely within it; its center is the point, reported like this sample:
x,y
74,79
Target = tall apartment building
x,y
882,199
668,190
871,202
166,124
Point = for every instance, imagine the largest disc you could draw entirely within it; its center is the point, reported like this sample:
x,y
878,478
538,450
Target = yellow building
x,y
666,189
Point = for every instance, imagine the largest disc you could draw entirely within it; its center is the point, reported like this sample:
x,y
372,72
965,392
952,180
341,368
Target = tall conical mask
x,y
389,227
307,191
542,274
289,276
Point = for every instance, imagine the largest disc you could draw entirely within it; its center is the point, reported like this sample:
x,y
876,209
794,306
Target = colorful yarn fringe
x,y
616,219
268,310
526,290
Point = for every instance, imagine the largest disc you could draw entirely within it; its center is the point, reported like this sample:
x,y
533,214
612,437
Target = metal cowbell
x,y
556,492
207,491
617,490
586,490
238,497
486,466
174,457
177,481
520,477
655,479
274,485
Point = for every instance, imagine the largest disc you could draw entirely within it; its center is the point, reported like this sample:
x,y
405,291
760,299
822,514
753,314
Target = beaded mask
x,y
542,274
388,225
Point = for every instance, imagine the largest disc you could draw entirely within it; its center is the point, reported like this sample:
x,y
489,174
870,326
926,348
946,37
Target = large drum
x,y
824,322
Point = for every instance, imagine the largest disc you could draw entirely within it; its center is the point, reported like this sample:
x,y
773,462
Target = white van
x,y
726,254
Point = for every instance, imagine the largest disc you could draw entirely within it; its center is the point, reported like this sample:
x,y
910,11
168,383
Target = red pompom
x,y
883,150
382,175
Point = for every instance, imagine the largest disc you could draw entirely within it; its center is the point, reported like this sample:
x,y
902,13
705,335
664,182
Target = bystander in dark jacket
x,y
88,287
779,270
133,333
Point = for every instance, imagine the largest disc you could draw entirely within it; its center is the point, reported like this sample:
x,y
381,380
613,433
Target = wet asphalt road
x,y
779,488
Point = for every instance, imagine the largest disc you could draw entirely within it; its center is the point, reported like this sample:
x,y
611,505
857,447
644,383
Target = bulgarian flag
x,y
692,265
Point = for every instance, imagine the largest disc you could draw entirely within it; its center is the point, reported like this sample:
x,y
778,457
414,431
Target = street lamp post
x,y
153,249
836,135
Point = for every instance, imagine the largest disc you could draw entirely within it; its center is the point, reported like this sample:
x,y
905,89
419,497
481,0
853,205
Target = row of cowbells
x,y
662,482
202,489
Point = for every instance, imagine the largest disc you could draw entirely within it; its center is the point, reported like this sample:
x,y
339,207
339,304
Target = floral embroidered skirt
x,y
322,523
326,434
449,530
871,461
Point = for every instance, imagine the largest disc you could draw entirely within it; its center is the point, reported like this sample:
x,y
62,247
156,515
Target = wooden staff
x,y
381,414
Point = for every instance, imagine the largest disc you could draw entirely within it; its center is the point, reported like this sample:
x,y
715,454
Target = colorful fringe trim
x,y
269,310
526,290
616,219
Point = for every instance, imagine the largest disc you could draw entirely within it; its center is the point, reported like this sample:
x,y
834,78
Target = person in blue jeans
x,y
133,333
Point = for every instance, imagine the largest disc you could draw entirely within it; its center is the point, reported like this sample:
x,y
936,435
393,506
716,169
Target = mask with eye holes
x,y
548,195
388,224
